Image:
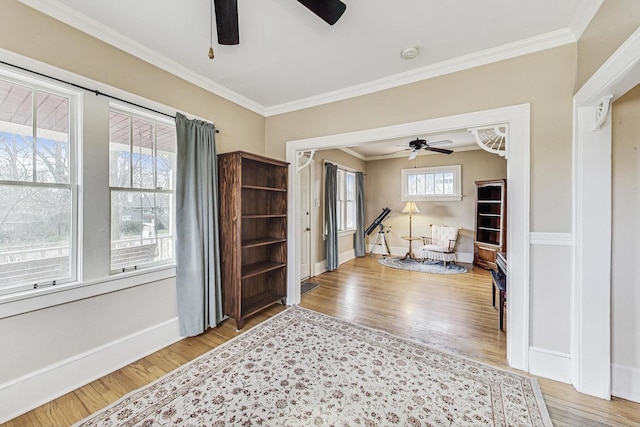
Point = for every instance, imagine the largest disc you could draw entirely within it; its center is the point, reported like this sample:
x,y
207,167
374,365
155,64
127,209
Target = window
x,y
38,195
142,165
434,183
346,203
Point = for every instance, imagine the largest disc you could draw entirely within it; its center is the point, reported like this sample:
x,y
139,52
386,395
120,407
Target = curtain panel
x,y
330,215
358,238
197,236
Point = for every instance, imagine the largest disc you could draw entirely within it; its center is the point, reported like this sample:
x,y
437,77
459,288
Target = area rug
x,y
306,287
428,266
302,368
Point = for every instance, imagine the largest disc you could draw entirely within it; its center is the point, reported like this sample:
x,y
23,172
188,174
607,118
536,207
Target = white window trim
x,y
75,166
457,184
156,118
17,303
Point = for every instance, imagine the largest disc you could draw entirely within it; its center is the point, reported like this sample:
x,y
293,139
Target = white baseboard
x,y
625,382
321,266
346,256
550,364
37,388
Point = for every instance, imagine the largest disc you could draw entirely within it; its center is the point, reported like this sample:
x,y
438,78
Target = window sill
x,y
431,198
38,299
346,233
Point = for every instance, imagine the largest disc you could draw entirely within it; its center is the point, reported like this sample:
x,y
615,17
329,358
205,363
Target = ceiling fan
x,y
421,144
227,16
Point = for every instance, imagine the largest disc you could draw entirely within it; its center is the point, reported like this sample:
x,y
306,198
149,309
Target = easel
x,y
382,238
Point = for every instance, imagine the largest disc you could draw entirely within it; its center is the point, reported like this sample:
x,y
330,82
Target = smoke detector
x,y
409,52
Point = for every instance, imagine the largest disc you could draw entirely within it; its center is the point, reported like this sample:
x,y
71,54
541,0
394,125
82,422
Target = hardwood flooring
x,y
450,312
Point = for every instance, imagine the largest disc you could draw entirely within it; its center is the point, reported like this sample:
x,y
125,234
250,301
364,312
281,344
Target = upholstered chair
x,y
441,245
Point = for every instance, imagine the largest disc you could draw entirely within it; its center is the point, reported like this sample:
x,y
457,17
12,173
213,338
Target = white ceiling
x,y
289,59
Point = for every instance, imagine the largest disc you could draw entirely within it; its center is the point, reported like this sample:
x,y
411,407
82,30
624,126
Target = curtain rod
x,y
345,168
97,92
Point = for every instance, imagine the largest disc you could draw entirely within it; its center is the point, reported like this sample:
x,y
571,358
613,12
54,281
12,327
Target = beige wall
x,y
611,26
545,80
345,243
382,189
44,337
625,273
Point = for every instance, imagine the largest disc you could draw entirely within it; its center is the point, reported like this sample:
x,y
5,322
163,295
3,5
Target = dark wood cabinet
x,y
253,233
491,222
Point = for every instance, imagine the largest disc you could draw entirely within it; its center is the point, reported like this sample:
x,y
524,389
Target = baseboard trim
x,y
37,388
625,382
550,364
321,266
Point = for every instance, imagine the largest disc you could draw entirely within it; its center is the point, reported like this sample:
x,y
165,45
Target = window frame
x,y
156,119
457,184
342,202
74,182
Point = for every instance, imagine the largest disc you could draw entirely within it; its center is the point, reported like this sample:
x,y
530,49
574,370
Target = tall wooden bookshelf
x,y
253,233
491,222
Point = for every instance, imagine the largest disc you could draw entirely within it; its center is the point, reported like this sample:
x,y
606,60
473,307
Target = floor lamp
x,y
410,208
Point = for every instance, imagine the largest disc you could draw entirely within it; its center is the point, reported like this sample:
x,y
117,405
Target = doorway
x,y
518,178
304,212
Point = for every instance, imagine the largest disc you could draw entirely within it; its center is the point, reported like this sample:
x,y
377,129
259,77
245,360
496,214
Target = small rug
x,y
305,368
428,266
306,287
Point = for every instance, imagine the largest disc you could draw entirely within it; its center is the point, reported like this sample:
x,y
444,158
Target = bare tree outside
x,y
35,191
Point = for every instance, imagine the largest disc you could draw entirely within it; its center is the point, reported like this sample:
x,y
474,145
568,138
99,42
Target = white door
x,y
305,222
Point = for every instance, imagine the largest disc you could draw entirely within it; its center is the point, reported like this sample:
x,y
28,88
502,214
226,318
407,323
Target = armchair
x,y
441,245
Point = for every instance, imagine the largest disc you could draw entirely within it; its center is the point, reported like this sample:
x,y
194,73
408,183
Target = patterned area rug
x,y
305,368
428,266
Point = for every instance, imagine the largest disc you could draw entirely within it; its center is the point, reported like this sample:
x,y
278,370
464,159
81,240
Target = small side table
x,y
410,253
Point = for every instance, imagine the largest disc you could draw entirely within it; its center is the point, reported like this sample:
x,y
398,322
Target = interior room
x,y
83,83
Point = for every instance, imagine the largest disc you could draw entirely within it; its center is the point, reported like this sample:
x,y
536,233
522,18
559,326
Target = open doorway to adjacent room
x,y
516,123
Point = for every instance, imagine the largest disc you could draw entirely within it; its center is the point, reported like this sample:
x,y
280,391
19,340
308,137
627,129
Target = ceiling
x,y
289,59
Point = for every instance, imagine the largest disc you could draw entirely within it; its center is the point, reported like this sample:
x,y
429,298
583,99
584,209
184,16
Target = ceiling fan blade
x,y
227,21
328,10
438,150
413,154
444,141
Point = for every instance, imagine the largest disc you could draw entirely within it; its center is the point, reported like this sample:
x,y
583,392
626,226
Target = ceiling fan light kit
x,y
421,144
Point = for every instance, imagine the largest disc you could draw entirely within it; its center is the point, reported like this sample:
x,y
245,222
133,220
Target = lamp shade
x,y
410,207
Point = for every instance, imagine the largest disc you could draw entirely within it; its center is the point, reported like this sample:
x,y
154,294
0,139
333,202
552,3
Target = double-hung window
x,y
38,191
346,203
142,167
443,183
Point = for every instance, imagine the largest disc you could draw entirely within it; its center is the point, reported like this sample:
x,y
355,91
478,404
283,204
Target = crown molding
x,y
500,53
100,31
350,152
585,13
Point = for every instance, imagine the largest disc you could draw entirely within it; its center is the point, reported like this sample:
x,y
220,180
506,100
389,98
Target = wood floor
x,y
450,312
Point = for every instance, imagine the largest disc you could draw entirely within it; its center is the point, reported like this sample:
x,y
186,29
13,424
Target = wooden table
x,y
410,253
